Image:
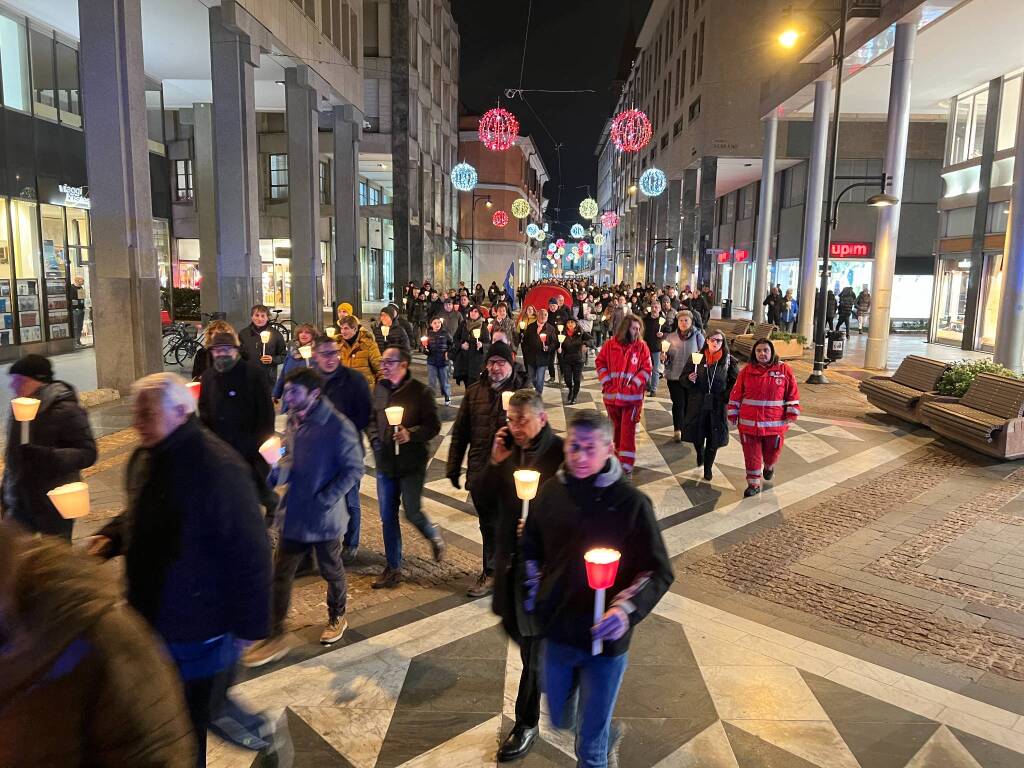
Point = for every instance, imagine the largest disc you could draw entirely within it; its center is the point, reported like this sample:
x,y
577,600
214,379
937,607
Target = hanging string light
x,y
498,129
653,182
631,130
577,231
598,239
464,177
609,219
532,230
499,219
520,208
589,209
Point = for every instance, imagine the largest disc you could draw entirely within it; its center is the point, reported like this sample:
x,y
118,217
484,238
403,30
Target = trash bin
x,y
836,345
727,309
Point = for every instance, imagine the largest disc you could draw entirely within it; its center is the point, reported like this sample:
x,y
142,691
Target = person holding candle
x,y
359,351
709,377
589,505
265,355
438,345
525,442
573,353
304,336
654,324
682,343
202,360
624,368
451,318
60,445
401,474
480,415
389,331
538,341
470,345
764,402
503,322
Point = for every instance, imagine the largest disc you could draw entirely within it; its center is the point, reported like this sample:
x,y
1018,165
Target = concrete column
x,y
659,214
204,177
672,232
807,289
348,130
765,206
1010,330
126,288
688,229
889,218
706,229
643,238
402,167
302,120
233,59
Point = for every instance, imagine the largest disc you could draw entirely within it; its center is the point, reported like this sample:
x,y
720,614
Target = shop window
x,y
325,183
188,275
997,218
44,81
6,294
374,198
183,191
25,235
162,246
68,94
968,126
14,63
278,177
363,193
958,222
1009,106
954,274
55,272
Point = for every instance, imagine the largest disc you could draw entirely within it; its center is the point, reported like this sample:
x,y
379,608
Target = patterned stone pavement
x,y
866,610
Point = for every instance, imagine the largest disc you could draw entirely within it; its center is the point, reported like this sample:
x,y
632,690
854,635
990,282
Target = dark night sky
x,y
573,44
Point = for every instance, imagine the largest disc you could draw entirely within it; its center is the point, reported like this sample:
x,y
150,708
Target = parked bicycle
x,y
284,327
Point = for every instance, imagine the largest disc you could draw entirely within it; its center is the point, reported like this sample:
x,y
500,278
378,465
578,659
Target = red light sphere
x,y
499,219
631,130
498,129
609,219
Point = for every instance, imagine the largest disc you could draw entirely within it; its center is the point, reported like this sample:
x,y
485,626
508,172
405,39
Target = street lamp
x,y
472,236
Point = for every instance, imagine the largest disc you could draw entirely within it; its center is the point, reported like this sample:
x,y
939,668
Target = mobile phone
x,y
509,440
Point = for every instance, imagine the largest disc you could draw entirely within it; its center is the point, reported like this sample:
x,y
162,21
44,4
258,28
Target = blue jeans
x,y
354,513
655,362
536,375
437,378
408,490
581,691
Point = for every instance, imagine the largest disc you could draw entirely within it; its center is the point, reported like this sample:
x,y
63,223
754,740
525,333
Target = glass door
x,y
79,260
951,302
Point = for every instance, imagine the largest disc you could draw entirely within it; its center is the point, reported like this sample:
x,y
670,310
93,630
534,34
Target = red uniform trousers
x,y
622,418
760,452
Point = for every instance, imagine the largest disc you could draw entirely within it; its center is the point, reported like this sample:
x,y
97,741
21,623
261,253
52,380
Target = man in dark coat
x,y
396,333
533,446
538,352
234,402
60,445
265,356
197,557
480,415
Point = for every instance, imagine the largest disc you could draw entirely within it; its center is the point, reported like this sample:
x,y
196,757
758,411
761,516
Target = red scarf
x,y
711,357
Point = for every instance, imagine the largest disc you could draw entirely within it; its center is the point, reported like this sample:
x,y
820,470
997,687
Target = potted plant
x,y
788,346
959,375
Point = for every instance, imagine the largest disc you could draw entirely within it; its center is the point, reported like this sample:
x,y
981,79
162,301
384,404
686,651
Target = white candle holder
x,y
696,357
527,481
271,450
394,415
71,500
666,345
505,398
265,338
306,352
25,410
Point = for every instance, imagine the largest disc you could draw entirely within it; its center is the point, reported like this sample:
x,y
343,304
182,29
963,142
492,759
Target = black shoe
x,y
700,458
349,555
752,490
517,744
769,473
707,474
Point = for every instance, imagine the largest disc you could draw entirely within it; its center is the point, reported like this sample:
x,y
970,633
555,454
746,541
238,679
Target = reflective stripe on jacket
x,y
623,371
765,401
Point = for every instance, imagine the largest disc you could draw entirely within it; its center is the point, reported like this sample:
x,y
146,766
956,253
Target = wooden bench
x,y
729,328
743,345
903,393
988,418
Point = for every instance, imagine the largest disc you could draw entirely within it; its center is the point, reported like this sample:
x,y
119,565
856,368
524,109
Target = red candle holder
x,y
602,566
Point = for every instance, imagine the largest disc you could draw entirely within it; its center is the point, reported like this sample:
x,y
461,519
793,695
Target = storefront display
x,y
951,302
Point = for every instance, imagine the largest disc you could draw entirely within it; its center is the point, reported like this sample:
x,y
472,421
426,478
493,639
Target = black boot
x,y
752,490
517,744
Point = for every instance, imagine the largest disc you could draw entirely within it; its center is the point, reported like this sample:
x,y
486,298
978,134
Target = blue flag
x,y
508,284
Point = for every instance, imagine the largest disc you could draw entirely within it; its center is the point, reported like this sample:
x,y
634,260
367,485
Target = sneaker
x,y
388,579
769,473
349,555
447,401
266,651
439,547
333,631
484,586
752,490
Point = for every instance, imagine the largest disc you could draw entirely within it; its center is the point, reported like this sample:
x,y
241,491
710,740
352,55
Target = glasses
x,y
716,339
390,361
327,353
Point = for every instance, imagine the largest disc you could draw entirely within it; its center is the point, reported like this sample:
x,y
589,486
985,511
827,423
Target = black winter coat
x,y
439,345
469,362
60,445
709,394
197,557
236,405
397,337
480,416
347,391
651,331
252,349
572,348
420,418
533,351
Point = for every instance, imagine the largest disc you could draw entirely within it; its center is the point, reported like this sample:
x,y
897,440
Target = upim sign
x,y
849,250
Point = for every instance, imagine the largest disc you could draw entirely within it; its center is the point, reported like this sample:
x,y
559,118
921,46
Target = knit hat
x,y
223,339
33,367
502,350
345,307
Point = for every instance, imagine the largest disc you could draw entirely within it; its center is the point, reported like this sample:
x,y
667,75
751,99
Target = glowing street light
x,y
788,38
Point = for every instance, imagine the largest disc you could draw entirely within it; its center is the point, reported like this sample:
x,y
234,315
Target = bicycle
x,y
284,327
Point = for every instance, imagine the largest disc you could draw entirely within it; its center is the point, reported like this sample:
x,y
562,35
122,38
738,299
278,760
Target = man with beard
x,y
480,415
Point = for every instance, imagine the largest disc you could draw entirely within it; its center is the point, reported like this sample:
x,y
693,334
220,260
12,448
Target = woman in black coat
x,y
708,387
573,350
469,349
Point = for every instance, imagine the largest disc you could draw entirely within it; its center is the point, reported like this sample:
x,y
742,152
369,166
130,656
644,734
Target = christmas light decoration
x,y
499,219
520,208
598,239
585,247
498,129
631,130
541,235
560,243
589,209
464,177
609,219
532,230
653,182
560,251
552,248
577,231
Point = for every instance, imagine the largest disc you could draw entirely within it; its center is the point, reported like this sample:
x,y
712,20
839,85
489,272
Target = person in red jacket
x,y
624,368
764,402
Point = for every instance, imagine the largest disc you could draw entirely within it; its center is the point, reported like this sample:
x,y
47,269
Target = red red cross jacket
x,y
624,371
765,399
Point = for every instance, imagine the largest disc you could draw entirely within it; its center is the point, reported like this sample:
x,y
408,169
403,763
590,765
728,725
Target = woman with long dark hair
x,y
709,383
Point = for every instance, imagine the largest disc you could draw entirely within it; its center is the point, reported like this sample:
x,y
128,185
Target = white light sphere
x,y
589,209
520,208
598,239
464,177
586,247
577,231
532,230
653,182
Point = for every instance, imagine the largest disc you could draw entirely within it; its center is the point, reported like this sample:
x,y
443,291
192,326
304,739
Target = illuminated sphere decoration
x,y
598,239
560,251
631,130
585,247
577,231
541,235
552,248
560,243
464,177
498,129
653,182
520,208
609,219
499,219
589,209
532,230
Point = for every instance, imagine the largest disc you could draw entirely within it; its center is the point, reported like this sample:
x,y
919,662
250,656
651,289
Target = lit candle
x,y
561,338
331,331
696,357
561,327
522,325
424,340
505,397
306,352
194,387
271,450
394,415
71,500
265,338
25,410
543,338
666,345
661,321
602,565
527,481
476,334
385,330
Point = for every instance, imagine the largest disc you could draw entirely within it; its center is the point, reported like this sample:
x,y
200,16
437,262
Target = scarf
x,y
710,357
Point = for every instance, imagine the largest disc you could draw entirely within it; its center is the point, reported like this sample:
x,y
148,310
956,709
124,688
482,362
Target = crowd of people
x,y
783,309
210,563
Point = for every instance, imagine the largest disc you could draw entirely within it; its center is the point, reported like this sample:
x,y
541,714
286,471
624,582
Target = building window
x,y
14,63
374,196
695,109
693,61
968,126
279,177
700,51
325,183
183,181
44,85
68,97
1009,104
362,193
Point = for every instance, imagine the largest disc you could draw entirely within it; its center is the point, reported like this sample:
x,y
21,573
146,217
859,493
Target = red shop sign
x,y
741,254
723,257
849,250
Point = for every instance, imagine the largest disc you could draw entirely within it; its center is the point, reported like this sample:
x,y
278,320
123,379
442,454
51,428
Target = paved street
x,y
866,610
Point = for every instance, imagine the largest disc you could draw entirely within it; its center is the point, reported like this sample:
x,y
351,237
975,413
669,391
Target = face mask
x,y
224,364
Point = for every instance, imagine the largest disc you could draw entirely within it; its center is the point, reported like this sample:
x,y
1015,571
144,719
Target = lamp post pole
x,y
472,236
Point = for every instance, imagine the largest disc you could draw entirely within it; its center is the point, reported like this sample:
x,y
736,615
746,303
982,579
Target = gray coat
x,y
679,352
